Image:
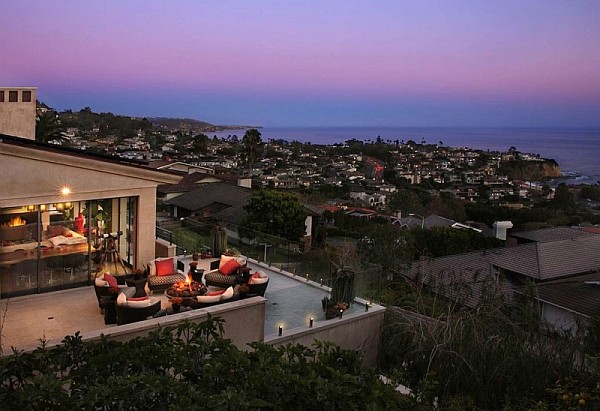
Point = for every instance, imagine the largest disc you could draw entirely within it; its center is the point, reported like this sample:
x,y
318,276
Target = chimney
x,y
500,228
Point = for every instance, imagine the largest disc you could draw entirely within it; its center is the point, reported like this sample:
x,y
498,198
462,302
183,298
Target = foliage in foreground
x,y
190,366
497,356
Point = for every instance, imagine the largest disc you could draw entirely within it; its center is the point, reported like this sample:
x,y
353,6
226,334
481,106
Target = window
x,y
26,96
2,96
13,96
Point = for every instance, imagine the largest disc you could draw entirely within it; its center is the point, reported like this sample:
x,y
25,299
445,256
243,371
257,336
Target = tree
x,y
410,201
448,206
563,198
251,141
48,128
590,192
277,213
200,144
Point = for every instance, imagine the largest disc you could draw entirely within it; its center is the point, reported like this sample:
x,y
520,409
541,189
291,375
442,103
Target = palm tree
x,y
49,129
251,141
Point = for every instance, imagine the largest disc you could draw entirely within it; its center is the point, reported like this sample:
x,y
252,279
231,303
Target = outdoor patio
x,y
25,321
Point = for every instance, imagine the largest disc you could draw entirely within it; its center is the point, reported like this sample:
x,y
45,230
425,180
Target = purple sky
x,y
312,63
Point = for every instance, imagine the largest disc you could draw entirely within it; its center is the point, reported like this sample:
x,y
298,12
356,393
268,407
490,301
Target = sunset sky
x,y
312,63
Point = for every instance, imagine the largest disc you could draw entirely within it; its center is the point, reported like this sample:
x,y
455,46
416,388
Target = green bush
x,y
190,366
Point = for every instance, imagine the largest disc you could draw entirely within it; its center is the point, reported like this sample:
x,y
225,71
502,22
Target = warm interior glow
x,y
14,222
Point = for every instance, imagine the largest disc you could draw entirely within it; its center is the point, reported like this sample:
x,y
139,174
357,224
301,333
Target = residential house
x,y
66,214
543,259
568,303
217,201
46,190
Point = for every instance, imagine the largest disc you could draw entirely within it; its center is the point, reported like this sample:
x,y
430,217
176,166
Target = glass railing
x,y
328,266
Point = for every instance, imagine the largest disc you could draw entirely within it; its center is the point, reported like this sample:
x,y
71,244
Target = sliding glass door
x,y
46,247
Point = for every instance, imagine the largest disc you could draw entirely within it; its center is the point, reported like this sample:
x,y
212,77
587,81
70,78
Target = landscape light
x,y
311,321
280,330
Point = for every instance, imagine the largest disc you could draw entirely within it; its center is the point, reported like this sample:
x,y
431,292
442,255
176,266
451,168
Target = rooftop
x,y
579,294
291,302
551,234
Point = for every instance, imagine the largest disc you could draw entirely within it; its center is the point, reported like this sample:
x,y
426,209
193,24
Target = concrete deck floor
x,y
25,321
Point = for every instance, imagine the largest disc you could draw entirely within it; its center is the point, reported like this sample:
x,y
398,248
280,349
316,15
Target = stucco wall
x,y
18,118
244,323
357,331
35,177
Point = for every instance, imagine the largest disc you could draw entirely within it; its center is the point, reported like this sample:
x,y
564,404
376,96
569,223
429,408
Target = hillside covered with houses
x,y
366,174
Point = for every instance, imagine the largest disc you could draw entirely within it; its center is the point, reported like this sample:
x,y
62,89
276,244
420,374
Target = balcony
x,y
291,300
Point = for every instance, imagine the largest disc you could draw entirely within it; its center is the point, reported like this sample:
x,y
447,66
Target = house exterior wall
x,y
17,118
35,177
559,318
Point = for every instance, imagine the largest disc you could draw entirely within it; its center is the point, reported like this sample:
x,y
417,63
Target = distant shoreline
x,y
575,149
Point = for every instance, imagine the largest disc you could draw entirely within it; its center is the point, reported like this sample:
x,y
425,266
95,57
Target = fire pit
x,y
182,292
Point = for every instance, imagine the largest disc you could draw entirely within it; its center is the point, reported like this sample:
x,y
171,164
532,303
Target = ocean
x,y
576,150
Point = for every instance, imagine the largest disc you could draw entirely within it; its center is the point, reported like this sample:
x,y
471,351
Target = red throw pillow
x,y
253,276
229,267
164,267
213,293
144,298
111,280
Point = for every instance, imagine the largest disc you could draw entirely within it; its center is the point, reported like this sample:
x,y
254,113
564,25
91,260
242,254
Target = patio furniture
x,y
214,297
165,272
139,284
257,284
257,289
227,273
130,310
103,289
109,308
195,272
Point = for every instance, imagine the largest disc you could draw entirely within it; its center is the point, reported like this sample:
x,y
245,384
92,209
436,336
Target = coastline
x,y
576,150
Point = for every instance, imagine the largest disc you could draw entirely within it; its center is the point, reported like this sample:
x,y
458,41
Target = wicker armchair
x,y
256,289
157,281
216,279
102,289
127,314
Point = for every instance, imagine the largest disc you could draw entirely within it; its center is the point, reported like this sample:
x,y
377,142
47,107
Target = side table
x,y
139,284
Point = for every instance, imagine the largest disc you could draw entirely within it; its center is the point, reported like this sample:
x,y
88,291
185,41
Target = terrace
x,y
297,284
